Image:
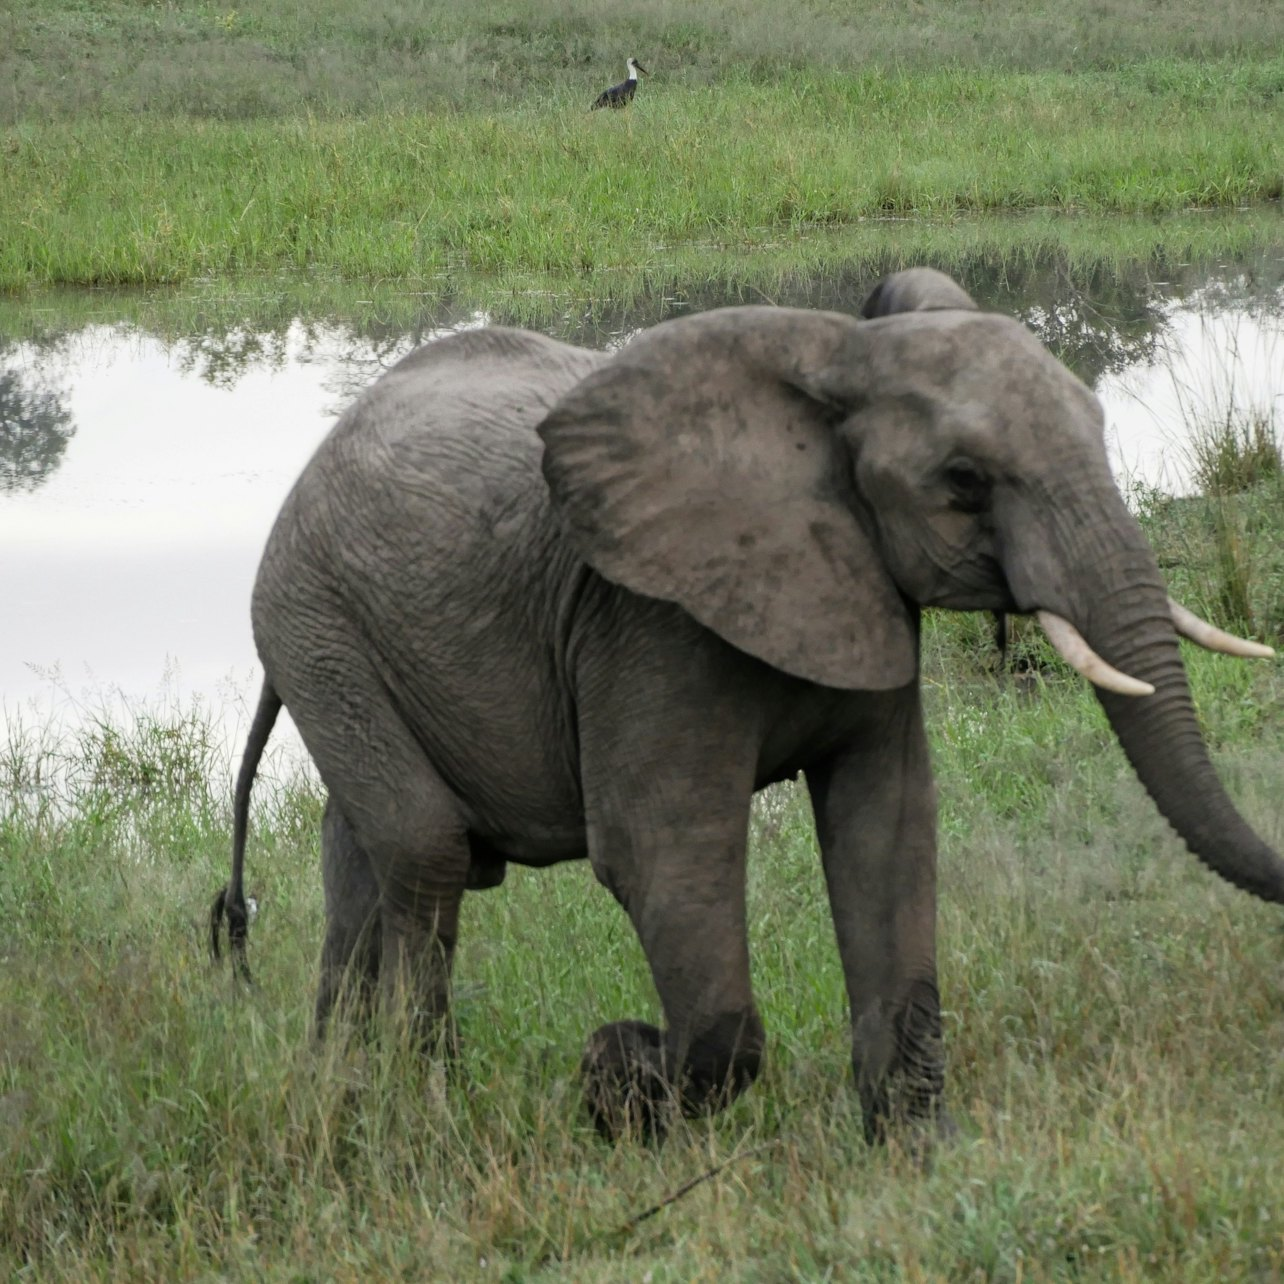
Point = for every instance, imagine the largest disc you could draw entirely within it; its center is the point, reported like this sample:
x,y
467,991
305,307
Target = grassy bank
x,y
551,190
1113,1016
1005,263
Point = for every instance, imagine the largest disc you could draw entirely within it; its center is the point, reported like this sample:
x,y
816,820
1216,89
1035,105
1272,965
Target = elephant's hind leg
x,y
400,816
350,955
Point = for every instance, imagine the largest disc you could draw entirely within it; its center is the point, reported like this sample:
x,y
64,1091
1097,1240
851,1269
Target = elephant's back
x,y
456,419
422,529
439,455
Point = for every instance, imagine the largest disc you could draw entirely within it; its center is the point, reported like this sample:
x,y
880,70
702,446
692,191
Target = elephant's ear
x,y
916,290
694,467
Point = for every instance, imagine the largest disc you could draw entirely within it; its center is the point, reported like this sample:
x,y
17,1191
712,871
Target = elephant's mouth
x,y
975,584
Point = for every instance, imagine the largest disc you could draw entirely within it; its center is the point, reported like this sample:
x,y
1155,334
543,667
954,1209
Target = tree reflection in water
x,y
1101,320
35,427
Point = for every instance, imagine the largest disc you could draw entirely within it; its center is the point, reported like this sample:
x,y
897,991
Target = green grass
x,y
146,143
550,189
1222,546
1223,554
213,58
1113,1016
1073,269
1233,454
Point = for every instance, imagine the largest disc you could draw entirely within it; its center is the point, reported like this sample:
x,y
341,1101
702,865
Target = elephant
x,y
533,603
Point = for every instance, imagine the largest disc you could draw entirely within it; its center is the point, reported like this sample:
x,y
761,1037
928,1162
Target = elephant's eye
x,y
969,486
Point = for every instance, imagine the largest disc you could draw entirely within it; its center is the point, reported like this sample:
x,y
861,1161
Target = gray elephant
x,y
533,603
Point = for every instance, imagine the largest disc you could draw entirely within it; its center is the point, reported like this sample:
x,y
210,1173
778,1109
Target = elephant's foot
x,y
625,1086
634,1082
899,1060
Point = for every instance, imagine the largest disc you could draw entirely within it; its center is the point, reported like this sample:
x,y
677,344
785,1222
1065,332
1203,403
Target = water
x,y
139,474
135,537
1212,364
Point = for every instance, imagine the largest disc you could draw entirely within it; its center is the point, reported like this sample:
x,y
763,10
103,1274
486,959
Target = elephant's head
x,y
801,482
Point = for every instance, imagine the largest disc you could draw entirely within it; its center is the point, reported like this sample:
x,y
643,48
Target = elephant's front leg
x,y
669,841
875,805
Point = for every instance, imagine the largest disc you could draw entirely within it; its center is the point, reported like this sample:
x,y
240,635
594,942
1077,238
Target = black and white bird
x,y
622,94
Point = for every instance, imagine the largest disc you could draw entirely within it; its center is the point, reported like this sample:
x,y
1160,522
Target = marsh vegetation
x,y
1113,1013
166,143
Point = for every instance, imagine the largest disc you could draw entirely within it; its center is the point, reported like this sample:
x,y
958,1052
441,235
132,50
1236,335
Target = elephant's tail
x,y
231,899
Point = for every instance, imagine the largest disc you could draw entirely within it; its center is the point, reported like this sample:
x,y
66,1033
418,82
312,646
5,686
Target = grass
x,y
553,190
1232,456
1066,271
1112,1014
162,143
1223,554
1233,439
213,59
1222,545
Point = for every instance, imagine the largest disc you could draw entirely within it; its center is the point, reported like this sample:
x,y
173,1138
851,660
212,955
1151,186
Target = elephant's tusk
x,y
1189,625
1072,648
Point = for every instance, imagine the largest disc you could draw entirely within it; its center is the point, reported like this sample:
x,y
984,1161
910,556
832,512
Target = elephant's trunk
x,y
1070,547
1130,623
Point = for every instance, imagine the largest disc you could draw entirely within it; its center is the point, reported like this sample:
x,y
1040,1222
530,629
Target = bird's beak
x,y
641,68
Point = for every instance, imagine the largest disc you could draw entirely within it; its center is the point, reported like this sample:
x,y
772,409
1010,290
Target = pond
x,y
140,470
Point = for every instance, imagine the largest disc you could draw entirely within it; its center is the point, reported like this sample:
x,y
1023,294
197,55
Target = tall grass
x,y
68,59
1112,1014
1232,429
553,189
1224,554
1232,456
1111,260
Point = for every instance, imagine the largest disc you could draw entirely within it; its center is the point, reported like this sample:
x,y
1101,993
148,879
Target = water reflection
x,y
139,475
348,358
1212,368
35,426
